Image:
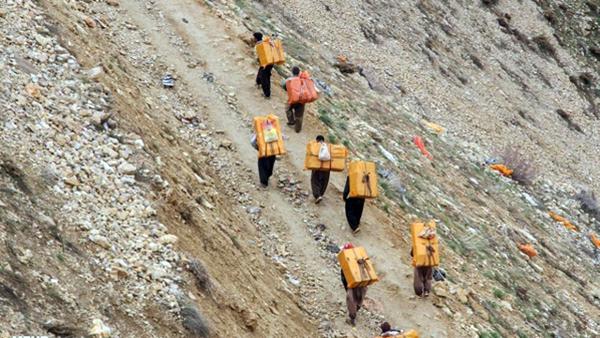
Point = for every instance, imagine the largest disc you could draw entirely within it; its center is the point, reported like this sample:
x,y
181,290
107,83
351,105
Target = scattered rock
x,y
127,168
89,22
33,90
72,181
114,3
168,239
95,73
99,330
100,241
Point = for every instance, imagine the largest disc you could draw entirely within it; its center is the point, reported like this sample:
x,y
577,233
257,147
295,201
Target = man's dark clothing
x,y
319,181
422,279
354,207
265,169
354,297
295,115
263,78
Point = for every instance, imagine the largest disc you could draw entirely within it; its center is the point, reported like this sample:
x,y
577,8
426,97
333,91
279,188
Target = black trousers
x,y
423,276
265,168
263,78
354,210
295,115
318,182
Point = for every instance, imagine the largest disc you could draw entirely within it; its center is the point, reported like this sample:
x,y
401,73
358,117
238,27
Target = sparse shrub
x,y
549,15
489,334
325,117
331,138
545,46
477,61
193,321
589,203
202,277
524,169
490,2
499,294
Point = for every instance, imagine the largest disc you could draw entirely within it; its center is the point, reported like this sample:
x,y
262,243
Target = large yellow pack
x,y
338,154
407,334
425,246
357,267
268,136
270,52
363,179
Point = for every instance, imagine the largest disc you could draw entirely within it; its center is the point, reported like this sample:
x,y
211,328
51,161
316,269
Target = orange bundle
x,y
562,220
528,249
301,89
595,240
502,169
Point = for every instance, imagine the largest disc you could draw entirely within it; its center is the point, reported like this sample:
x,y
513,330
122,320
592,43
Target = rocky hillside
x,y
132,210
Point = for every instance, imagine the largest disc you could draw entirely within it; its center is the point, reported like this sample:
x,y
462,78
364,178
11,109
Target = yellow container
x,y
265,128
407,334
363,179
357,267
338,157
270,52
425,250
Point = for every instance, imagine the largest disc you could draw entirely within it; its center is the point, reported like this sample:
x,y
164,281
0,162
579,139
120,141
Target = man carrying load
x,y
301,90
319,179
360,184
321,159
263,78
425,256
268,140
270,53
357,273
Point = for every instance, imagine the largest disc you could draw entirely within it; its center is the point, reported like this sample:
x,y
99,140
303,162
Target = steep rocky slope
x,y
137,205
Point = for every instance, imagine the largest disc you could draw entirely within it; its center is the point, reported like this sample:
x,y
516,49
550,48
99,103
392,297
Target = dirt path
x,y
225,56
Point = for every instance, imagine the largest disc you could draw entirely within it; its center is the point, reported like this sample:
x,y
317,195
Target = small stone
x,y
100,241
157,273
253,210
95,73
99,330
440,290
72,181
462,296
33,90
114,3
90,22
118,273
226,144
168,239
127,168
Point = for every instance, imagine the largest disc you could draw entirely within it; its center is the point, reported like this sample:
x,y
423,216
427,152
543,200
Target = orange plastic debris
x,y
502,169
421,145
595,240
528,249
563,220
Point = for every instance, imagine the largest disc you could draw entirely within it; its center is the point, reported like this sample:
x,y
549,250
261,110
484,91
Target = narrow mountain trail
x,y
221,53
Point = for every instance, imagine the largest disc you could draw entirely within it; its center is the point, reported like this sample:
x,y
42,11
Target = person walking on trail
x,y
294,112
265,165
354,208
388,331
354,296
263,78
319,179
422,279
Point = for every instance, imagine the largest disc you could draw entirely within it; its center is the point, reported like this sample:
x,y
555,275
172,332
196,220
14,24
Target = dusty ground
x,y
269,255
